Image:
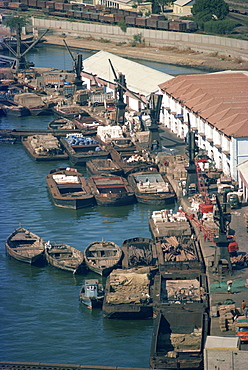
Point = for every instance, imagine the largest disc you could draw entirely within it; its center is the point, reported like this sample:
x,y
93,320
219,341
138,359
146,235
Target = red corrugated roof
x,y
220,98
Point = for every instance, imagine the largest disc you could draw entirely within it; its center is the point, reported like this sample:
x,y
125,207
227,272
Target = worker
x,y
243,306
229,286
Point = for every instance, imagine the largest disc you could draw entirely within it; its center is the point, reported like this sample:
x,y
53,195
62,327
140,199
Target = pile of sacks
x,y
80,140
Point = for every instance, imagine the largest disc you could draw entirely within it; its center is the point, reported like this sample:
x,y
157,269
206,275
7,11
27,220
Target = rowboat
x,y
111,190
151,188
64,257
69,188
92,293
102,256
25,246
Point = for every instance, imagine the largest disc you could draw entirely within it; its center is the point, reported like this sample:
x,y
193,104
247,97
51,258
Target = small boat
x,y
25,246
131,161
64,257
111,190
92,293
138,252
44,147
80,148
62,124
103,166
69,188
151,188
10,108
102,256
69,111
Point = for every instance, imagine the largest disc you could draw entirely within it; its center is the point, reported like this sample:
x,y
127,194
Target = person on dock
x,y
229,286
243,306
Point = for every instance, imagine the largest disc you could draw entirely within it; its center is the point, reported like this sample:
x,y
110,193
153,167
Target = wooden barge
x,y
80,149
131,161
111,190
44,148
103,166
25,246
127,294
64,257
102,256
178,339
69,188
138,252
10,108
151,188
164,223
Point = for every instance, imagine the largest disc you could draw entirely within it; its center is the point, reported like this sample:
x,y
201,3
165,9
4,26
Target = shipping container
x,y
3,4
191,26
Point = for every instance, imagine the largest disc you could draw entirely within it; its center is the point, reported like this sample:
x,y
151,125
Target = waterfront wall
x,y
156,38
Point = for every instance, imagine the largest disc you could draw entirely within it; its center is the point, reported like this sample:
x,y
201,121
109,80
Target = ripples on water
x,y
41,318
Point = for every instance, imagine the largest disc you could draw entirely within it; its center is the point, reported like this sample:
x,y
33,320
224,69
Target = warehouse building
x,y
216,105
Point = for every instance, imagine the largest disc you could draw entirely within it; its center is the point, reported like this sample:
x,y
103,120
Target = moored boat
x,y
127,294
102,256
80,148
178,338
69,111
111,190
64,257
151,188
92,293
131,161
33,103
10,108
69,188
138,252
103,166
44,147
25,246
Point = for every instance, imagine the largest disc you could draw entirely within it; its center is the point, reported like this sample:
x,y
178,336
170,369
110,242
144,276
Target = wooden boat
x,y
131,161
103,166
69,188
178,339
166,223
62,124
87,124
44,147
127,294
92,293
80,148
151,188
111,190
102,256
179,253
138,252
69,111
33,103
123,144
25,246
64,257
10,108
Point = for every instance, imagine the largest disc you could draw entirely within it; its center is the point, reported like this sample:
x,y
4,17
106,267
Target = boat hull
x,y
69,189
91,302
24,246
128,312
111,190
102,257
65,257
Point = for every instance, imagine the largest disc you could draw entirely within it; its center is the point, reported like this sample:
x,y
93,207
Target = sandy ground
x,y
187,57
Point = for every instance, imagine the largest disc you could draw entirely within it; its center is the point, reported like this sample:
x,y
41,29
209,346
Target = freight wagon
x,y
105,15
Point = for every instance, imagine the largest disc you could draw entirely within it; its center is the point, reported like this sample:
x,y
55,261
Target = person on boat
x,y
48,245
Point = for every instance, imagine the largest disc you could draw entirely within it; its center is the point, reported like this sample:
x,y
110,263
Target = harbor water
x,y
41,317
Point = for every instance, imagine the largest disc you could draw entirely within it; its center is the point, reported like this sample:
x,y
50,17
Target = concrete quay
x,y
217,284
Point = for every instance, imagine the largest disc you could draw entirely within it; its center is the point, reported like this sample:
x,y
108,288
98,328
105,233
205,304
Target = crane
x,y
153,107
78,66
